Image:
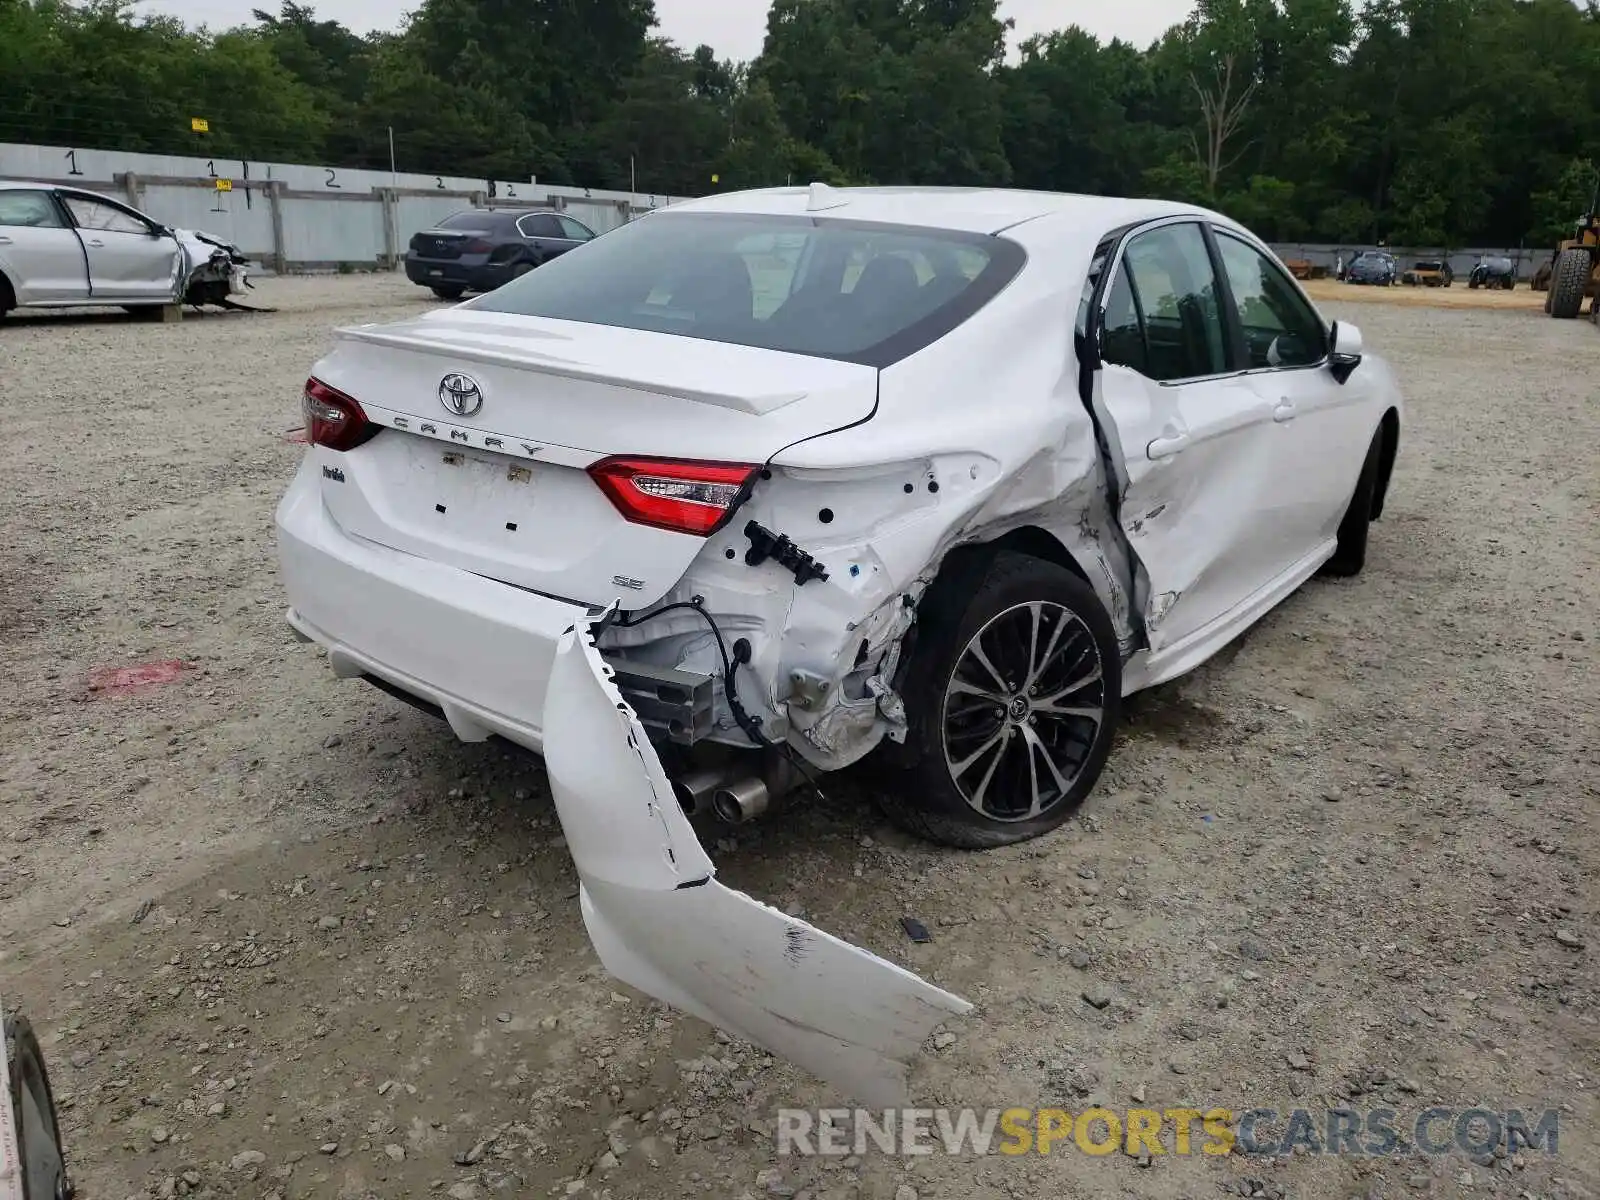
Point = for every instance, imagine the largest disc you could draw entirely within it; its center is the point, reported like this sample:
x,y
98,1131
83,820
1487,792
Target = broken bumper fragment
x,y
660,921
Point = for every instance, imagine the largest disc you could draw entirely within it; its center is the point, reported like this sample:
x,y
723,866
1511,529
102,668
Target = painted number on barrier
x,y
72,157
330,182
211,168
439,179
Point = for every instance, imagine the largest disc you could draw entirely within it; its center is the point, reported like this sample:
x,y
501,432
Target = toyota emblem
x,y
461,395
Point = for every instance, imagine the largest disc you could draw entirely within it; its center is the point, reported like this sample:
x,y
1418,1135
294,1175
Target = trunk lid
x,y
488,473
443,243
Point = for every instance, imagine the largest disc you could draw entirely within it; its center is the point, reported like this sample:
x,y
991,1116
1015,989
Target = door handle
x,y
5,241
96,242
1167,445
1284,411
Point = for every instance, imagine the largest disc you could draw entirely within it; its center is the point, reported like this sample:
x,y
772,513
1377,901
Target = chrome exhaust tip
x,y
741,800
696,789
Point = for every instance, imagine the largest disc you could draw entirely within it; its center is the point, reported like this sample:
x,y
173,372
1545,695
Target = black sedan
x,y
1372,267
479,249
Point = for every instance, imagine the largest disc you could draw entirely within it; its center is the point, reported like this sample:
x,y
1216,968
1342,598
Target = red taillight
x,y
686,497
477,246
335,420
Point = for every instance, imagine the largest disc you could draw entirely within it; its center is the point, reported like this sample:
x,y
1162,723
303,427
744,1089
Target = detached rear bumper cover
x,y
660,921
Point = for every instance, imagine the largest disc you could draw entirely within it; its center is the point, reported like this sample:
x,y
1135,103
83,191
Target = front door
x,y
1324,427
1194,439
39,253
129,258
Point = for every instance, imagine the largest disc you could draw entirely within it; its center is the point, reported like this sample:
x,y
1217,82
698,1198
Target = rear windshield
x,y
470,218
847,290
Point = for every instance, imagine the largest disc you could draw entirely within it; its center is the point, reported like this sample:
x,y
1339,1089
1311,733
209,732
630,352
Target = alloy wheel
x,y
1022,710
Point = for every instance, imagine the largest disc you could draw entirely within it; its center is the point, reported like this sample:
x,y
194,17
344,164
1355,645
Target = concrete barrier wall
x,y
290,216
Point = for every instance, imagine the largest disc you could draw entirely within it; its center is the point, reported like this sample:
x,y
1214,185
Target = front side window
x,y
1280,328
575,230
28,210
1175,290
100,217
831,288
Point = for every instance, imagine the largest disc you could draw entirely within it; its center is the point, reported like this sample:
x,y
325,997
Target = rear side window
x,y
850,290
1122,340
29,210
1175,289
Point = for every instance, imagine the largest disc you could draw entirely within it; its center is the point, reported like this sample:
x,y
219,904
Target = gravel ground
x,y
284,937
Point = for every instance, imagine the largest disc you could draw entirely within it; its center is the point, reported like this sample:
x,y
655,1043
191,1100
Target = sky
x,y
734,28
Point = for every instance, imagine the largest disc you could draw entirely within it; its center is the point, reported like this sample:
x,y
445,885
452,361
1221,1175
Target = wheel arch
x,y
1388,450
8,293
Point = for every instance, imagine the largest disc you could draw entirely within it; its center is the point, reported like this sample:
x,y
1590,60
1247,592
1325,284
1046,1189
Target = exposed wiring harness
x,y
731,663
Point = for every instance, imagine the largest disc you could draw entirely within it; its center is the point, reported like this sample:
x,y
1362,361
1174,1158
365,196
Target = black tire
x,y
8,298
1472,283
449,293
44,1175
521,269
925,798
1351,556
1568,282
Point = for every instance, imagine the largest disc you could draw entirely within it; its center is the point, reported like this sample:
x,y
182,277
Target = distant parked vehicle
x,y
1492,272
1372,267
1429,272
66,248
479,249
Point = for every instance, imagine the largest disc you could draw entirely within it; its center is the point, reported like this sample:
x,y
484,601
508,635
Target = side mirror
x,y
1345,356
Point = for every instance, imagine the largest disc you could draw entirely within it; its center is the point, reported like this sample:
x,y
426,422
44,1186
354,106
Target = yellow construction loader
x,y
1574,272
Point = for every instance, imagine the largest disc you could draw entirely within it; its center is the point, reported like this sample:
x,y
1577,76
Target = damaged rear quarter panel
x,y
979,434
981,444
660,921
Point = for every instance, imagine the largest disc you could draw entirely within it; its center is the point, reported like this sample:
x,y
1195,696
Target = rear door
x,y
39,253
129,257
1194,439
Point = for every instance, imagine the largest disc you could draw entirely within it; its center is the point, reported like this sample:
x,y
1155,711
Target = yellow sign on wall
x,y
224,185
199,125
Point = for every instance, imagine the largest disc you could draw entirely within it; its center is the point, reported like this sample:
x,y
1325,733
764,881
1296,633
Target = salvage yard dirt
x,y
283,936
1457,295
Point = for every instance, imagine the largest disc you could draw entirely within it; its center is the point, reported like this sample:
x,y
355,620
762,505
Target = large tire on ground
x,y
33,1112
1351,556
8,298
449,293
1568,283
1013,691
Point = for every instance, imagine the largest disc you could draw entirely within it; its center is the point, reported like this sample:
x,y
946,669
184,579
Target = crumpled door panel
x,y
660,921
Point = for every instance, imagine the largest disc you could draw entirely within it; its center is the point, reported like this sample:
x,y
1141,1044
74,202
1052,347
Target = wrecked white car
x,y
66,248
939,475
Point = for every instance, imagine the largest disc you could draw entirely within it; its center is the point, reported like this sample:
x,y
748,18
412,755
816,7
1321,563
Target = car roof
x,y
969,210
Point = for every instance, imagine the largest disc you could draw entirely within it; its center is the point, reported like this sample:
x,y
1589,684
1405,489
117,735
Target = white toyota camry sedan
x,y
764,483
